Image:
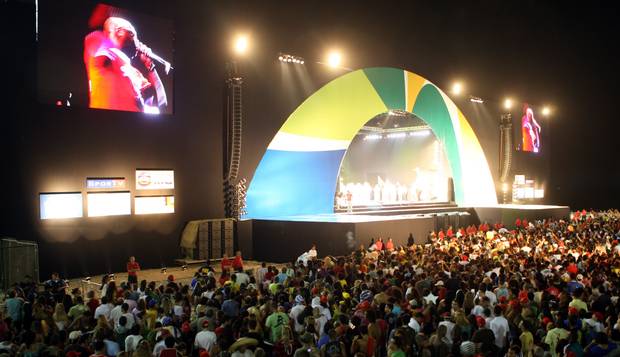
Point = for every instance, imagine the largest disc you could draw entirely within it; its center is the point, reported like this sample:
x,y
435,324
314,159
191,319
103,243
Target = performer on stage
x,y
121,75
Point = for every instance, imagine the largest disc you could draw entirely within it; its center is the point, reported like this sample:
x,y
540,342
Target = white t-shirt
x,y
242,278
499,326
116,314
247,353
104,310
130,320
205,339
295,311
131,342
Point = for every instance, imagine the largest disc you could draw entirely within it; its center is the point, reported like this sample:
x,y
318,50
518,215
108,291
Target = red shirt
x,y
572,268
92,305
226,263
237,263
132,268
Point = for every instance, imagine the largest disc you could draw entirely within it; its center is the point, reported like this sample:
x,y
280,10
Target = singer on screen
x,y
530,130
120,69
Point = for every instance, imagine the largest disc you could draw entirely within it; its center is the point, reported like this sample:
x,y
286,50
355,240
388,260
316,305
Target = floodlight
x,y
241,44
334,59
457,88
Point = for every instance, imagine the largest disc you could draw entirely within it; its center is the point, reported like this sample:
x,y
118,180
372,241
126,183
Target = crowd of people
x,y
545,288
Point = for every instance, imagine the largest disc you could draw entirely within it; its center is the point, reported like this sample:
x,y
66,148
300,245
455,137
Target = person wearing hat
x,y
300,305
205,339
76,345
307,346
240,347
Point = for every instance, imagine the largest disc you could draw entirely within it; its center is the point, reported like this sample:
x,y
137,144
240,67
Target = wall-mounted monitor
x,y
154,179
108,204
154,204
60,205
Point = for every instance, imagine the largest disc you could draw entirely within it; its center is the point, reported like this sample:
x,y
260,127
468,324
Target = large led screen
x,y
108,204
60,205
154,204
530,131
104,57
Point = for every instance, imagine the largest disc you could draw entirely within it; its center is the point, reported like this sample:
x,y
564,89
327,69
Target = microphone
x,y
141,47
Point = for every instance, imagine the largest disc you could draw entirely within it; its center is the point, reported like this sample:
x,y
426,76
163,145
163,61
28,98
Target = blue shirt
x,y
14,308
230,308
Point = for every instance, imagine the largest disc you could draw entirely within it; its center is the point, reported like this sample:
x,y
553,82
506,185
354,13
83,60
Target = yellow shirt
x,y
578,304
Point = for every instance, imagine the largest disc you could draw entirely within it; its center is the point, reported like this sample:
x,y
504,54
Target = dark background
x,y
532,51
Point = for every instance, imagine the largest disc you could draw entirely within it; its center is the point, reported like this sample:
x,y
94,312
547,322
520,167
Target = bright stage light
x,y
507,103
396,135
334,59
546,111
475,99
241,44
372,137
457,88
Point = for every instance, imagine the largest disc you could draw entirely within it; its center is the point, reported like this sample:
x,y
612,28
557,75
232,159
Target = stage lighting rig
x,y
475,99
546,111
287,58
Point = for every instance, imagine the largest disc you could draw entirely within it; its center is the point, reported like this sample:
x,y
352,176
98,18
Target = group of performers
x,y
427,187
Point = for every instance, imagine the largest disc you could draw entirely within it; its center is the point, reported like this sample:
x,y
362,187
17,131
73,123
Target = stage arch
x,y
298,173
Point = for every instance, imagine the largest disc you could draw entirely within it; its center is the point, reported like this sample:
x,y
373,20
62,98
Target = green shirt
x,y
275,323
76,311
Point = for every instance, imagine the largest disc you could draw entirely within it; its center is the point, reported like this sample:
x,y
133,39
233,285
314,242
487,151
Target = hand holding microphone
x,y
147,56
